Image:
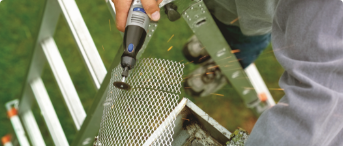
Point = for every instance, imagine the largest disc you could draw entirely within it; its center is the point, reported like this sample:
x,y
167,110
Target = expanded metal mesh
x,y
131,117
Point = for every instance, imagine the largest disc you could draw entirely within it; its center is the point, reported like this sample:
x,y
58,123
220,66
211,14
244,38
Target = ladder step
x,y
32,129
84,41
48,112
64,81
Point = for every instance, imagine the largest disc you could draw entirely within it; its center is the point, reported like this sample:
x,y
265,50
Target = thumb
x,y
152,9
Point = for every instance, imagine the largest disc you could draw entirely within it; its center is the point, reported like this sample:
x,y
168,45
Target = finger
x,y
152,9
122,10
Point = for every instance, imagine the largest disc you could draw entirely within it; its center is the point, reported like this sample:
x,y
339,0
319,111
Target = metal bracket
x,y
201,22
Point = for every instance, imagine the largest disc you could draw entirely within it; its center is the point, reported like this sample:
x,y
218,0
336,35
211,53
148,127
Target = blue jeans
x,y
250,47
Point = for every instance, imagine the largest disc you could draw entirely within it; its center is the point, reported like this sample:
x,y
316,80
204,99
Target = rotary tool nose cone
x,y
122,85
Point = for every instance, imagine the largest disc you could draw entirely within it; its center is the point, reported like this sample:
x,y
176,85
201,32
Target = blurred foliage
x,y
19,26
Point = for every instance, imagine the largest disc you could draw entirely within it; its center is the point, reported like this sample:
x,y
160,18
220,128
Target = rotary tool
x,y
137,24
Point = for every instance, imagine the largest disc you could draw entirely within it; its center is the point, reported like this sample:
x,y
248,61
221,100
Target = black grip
x,y
134,37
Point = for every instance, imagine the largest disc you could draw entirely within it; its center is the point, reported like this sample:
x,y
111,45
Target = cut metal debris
x,y
170,38
109,23
170,48
233,21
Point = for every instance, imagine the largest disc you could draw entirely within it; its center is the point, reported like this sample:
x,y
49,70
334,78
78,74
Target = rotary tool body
x,y
135,32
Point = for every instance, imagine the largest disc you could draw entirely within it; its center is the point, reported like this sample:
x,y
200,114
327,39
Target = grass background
x,y
19,25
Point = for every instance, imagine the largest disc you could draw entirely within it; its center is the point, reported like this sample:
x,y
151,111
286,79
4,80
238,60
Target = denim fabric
x,y
250,47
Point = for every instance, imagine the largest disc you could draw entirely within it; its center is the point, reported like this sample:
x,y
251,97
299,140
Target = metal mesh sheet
x,y
131,117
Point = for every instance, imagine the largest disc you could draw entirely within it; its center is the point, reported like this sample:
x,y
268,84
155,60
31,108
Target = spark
x,y
188,62
203,57
170,48
278,49
233,21
103,47
180,61
170,38
109,23
280,89
186,77
192,75
235,51
196,75
209,73
217,94
185,119
233,61
213,67
227,57
112,106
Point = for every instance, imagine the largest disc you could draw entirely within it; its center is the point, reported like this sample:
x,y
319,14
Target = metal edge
x,y
204,116
171,117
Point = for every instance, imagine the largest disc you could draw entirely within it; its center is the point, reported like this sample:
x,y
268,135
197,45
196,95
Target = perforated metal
x,y
131,117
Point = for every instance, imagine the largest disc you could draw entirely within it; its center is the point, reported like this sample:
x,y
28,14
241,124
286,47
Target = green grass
x,y
19,25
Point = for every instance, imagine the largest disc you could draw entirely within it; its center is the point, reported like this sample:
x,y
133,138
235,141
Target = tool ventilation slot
x,y
137,19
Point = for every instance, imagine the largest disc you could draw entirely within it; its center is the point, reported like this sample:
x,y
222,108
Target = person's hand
x,y
122,8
